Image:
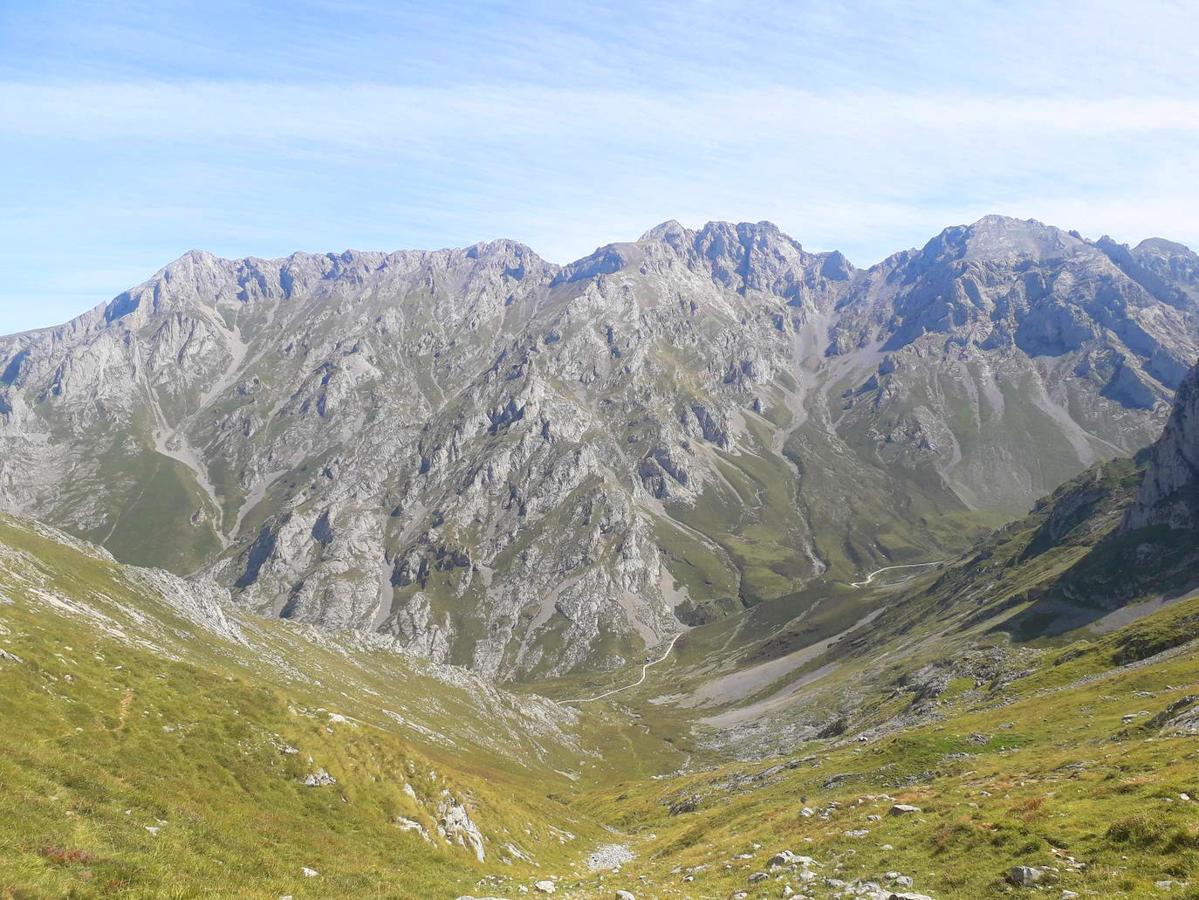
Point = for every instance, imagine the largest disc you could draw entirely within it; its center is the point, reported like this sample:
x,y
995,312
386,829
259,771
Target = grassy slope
x,y
1045,763
171,728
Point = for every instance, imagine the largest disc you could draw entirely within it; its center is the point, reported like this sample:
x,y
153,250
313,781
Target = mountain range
x,y
532,470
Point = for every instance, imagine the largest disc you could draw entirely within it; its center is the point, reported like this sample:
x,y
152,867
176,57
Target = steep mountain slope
x,y
1169,495
532,469
157,741
1014,354
1113,545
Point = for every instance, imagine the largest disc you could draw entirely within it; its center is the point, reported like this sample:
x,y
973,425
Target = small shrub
x,y
1183,865
947,834
1183,839
1138,831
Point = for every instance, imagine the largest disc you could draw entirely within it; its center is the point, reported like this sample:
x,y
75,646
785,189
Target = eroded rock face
x,y
529,469
1169,493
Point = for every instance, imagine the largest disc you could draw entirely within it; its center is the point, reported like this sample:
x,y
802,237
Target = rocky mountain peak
x,y
744,257
1005,285
202,278
1003,238
736,239
1162,248
1166,269
760,257
671,231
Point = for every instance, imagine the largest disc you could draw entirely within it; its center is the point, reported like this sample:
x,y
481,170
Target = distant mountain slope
x,y
1013,355
1115,544
1123,532
530,469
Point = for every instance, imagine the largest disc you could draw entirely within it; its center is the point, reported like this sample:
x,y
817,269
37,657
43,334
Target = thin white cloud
x,y
383,116
566,169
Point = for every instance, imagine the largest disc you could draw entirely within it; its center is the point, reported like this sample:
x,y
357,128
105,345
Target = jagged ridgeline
x,y
531,469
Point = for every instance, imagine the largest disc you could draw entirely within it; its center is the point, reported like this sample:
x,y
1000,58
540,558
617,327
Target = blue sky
x,y
132,132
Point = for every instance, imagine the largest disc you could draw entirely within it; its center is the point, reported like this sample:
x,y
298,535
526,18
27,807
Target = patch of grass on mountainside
x,y
1089,656
710,580
761,530
999,583
864,516
228,488
158,490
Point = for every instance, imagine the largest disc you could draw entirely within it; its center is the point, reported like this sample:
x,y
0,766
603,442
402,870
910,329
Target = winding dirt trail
x,y
641,680
870,577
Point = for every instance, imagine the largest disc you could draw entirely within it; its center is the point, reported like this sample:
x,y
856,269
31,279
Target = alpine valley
x,y
703,566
